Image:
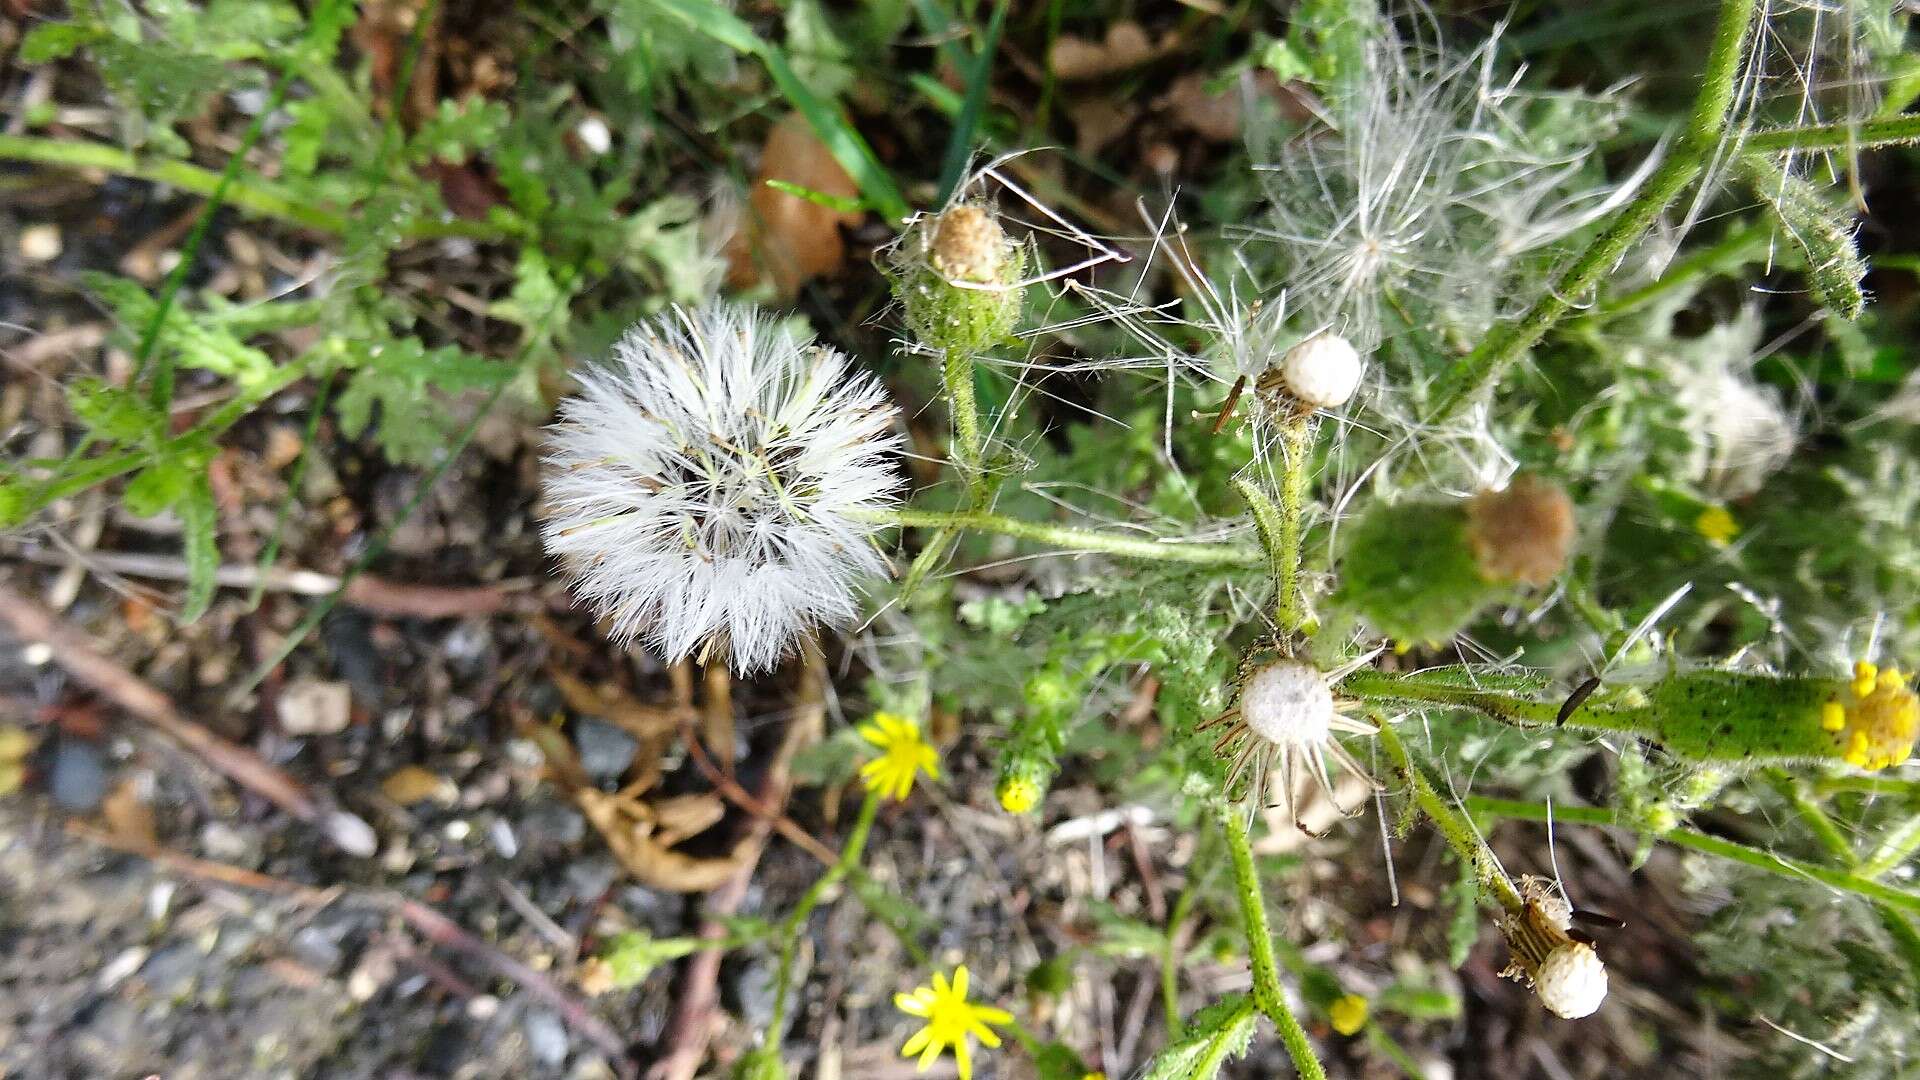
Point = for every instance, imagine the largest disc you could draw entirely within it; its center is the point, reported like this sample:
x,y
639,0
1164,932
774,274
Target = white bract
x,y
705,489
1572,981
1322,371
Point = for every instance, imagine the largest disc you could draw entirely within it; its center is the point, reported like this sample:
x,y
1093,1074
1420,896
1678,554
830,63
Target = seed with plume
x,y
706,489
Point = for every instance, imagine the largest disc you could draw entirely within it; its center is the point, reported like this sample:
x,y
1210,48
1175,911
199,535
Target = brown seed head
x,y
1523,534
969,245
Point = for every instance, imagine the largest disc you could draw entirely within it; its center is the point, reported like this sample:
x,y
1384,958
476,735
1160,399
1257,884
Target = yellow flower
x,y
902,753
1349,1014
951,1021
1875,726
1717,525
1018,794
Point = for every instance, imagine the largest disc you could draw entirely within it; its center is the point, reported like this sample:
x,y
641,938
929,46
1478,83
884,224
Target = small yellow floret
x,y
1349,1014
951,1021
1879,724
1717,525
1018,795
903,753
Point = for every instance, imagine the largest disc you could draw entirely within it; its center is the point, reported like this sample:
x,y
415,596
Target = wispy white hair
x,y
705,488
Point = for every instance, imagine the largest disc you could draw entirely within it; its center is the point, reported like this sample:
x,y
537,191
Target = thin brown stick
x,y
34,624
444,932
201,869
690,1027
369,592
730,790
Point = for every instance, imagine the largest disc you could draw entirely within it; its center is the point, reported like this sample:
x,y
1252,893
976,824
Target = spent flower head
x,y
1284,725
705,490
903,755
952,1021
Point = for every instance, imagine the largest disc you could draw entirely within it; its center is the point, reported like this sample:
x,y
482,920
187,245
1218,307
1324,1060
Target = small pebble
x,y
116,970
78,777
504,842
605,750
41,243
594,135
546,1037
315,707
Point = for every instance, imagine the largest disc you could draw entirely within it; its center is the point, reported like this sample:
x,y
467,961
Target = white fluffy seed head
x,y
1322,371
1289,704
1572,981
701,488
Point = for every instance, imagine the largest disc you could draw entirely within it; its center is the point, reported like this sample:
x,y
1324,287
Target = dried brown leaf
x,y
1075,59
784,239
414,784
629,827
128,817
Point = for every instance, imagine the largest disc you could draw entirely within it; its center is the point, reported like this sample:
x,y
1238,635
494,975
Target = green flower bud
x,y
1421,571
1027,769
1408,570
761,1064
1869,721
954,274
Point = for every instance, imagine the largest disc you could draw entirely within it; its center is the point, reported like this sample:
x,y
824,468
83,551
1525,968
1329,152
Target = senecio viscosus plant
x,y
724,490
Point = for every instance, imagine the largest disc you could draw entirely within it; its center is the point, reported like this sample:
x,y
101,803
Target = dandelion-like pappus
x,y
705,490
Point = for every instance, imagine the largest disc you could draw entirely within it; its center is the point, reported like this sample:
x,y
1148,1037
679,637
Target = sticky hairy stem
x,y
1067,538
789,933
1266,974
1501,347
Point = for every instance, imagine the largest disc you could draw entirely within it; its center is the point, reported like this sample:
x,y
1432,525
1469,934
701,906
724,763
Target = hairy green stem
x,y
1266,974
1504,345
1454,825
1068,538
1845,135
1731,850
789,932
969,446
255,196
1380,686
1905,937
1280,524
1741,245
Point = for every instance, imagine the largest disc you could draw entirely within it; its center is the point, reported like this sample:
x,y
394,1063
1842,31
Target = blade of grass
x,y
828,123
960,142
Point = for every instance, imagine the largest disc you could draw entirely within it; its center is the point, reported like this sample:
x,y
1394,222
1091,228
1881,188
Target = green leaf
x,y
401,377
199,520
160,485
820,58
55,41
457,129
960,142
1215,1033
306,136
114,414
819,198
